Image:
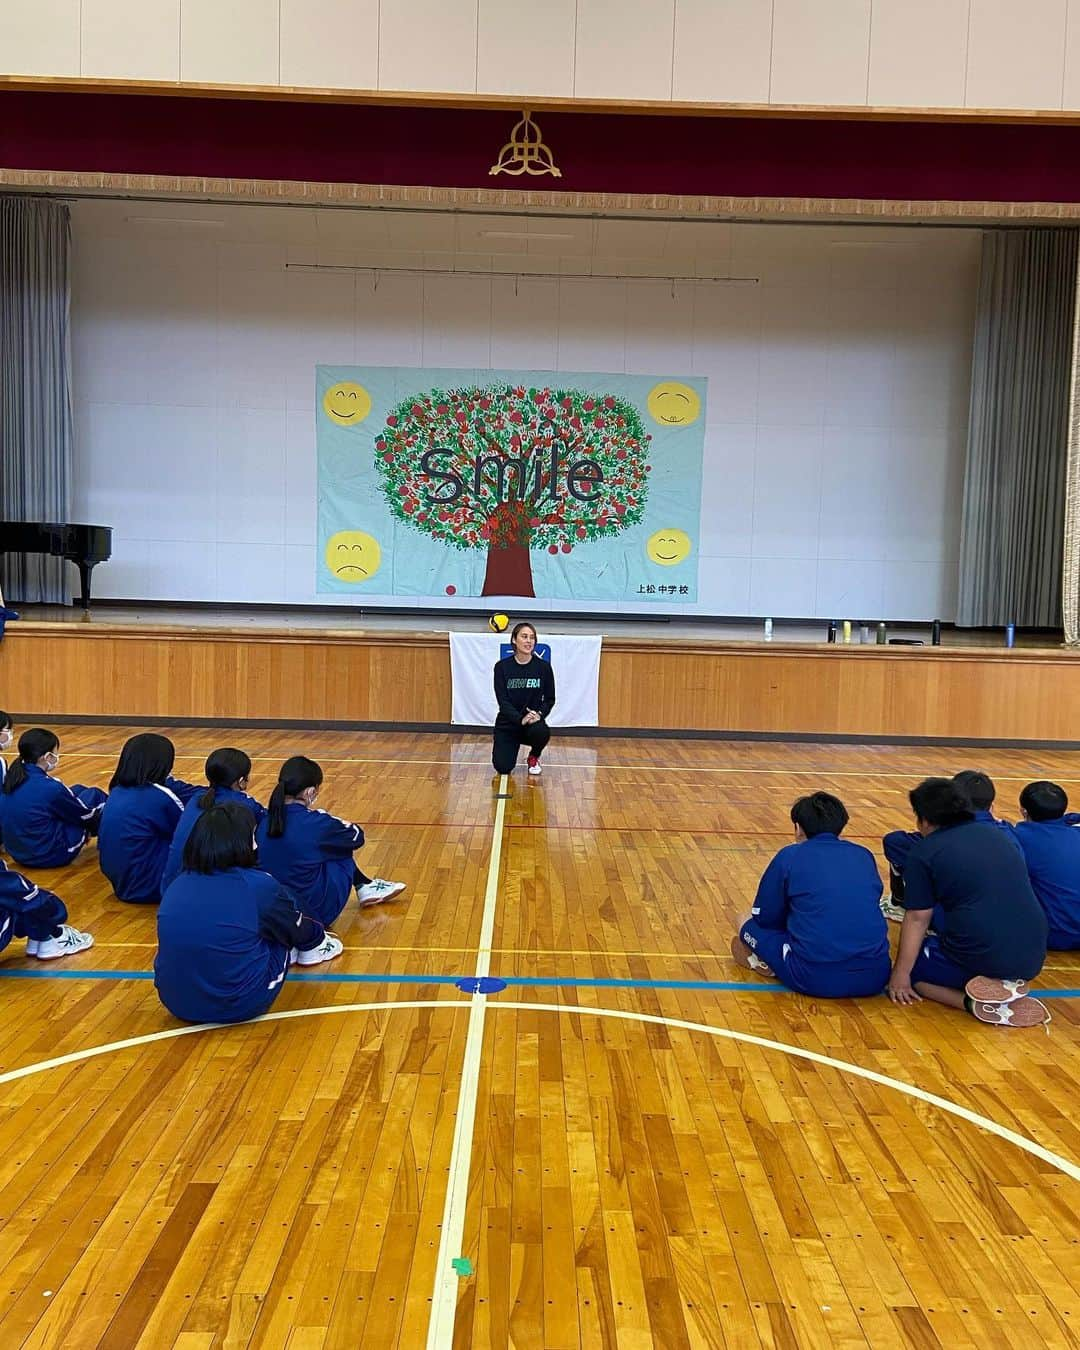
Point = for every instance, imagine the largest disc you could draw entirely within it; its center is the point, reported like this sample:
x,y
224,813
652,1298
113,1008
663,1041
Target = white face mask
x,y
6,737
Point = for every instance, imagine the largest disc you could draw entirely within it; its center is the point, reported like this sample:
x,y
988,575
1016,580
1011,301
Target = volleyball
x,y
499,623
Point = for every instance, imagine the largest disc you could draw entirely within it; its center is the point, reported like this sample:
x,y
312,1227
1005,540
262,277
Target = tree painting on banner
x,y
508,483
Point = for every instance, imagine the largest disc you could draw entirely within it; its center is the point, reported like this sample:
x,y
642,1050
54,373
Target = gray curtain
x,y
1014,485
35,386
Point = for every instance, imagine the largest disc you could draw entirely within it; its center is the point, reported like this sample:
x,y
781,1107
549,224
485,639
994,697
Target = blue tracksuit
x,y
27,911
46,823
1052,851
175,860
817,919
223,944
312,859
137,828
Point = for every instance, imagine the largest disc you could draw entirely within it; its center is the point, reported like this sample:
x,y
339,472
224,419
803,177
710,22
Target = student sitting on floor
x,y
44,822
1051,844
140,818
817,923
311,852
227,933
26,911
227,773
994,936
980,792
7,735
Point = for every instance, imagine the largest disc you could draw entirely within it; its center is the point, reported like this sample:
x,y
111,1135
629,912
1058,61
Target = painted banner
x,y
508,483
575,663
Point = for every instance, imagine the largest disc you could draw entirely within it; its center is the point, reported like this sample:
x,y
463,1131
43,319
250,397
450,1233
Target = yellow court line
x,y
608,768
447,1282
537,951
502,951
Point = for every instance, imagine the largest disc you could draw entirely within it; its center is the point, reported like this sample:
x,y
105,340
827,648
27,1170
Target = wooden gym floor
x,y
633,1143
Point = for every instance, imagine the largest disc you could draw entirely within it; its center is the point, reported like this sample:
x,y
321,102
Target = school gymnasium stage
x,y
365,670
626,1141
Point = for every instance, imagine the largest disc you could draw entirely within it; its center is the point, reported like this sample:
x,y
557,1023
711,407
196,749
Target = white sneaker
x,y
32,944
330,947
894,913
534,767
377,890
68,943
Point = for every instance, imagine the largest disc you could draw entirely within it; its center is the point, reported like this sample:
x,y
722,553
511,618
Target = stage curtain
x,y
1011,545
35,385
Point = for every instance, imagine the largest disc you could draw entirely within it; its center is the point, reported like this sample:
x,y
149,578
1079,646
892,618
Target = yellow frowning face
x,y
668,547
353,556
346,403
673,404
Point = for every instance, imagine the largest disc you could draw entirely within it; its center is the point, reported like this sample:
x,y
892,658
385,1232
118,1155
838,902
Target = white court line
x,y
76,1056
842,1066
444,1294
809,770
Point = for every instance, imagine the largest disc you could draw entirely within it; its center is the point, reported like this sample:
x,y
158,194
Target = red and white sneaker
x,y
1020,1012
534,767
983,989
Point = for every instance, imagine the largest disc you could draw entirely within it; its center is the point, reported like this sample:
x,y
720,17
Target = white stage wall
x,y
837,409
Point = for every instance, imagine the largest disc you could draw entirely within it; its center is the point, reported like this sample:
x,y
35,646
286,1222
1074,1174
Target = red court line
x,y
591,829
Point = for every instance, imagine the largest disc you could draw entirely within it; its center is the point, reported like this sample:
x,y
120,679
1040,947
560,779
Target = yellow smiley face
x,y
346,403
672,404
668,547
353,555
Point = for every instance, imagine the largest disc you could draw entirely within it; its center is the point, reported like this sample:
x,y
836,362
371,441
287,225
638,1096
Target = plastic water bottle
x,y
882,634
935,633
1010,635
768,630
830,634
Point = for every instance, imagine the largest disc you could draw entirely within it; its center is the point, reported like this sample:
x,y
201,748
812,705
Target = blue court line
x,y
532,981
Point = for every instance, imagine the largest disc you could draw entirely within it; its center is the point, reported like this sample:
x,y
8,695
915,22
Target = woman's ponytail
x,y
297,775
32,745
275,813
224,767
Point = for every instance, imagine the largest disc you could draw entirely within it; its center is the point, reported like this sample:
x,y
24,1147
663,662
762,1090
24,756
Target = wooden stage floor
x,y
632,1144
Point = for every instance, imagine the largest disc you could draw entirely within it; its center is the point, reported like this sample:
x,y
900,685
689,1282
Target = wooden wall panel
x,y
108,670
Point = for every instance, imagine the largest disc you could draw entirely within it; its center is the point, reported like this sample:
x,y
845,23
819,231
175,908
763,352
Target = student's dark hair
x,y
820,813
32,745
224,767
977,787
1044,800
296,776
146,758
939,802
517,629
223,837
5,720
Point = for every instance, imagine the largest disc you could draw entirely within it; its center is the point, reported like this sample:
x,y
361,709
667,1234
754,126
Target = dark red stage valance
x,y
597,152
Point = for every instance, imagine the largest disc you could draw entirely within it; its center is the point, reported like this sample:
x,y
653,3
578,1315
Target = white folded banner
x,y
575,663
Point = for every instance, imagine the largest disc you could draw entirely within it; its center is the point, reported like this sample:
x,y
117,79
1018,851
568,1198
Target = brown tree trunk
x,y
509,570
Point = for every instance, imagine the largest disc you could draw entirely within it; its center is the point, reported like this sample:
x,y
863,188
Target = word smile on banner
x,y
443,483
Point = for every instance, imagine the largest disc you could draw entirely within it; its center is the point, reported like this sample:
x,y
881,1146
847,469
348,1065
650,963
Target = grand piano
x,y
84,545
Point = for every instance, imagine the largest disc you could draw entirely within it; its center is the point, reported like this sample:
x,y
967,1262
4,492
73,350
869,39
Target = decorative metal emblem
x,y
525,152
